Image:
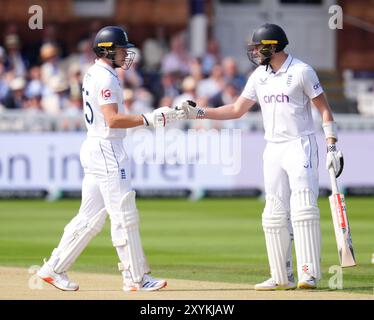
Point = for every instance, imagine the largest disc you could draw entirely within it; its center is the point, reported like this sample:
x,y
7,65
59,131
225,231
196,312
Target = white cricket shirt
x,y
101,86
284,98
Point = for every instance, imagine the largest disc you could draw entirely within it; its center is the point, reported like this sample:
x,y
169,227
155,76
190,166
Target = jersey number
x,y
90,118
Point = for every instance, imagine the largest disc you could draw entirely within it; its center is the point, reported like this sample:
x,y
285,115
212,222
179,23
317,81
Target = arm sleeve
x,y
249,91
107,91
311,85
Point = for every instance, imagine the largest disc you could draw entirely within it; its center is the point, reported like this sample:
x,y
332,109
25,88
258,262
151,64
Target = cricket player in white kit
x,y
106,187
285,87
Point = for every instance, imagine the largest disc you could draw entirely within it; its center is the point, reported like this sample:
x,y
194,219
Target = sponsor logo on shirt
x,y
282,98
105,94
289,80
263,81
317,86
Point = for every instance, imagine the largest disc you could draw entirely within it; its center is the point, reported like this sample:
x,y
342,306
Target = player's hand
x,y
160,117
334,159
189,110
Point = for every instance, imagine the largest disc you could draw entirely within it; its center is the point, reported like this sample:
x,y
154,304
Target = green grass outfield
x,y
217,240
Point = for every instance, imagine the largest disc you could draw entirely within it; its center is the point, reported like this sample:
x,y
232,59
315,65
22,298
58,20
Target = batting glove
x,y
189,110
160,117
334,159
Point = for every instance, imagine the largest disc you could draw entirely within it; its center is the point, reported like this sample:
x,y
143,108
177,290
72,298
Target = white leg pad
x,y
78,234
126,238
277,237
289,263
306,224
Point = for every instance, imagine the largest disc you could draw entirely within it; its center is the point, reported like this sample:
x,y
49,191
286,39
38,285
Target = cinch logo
x,y
276,98
316,86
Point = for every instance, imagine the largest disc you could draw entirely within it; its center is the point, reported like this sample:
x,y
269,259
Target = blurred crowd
x,y
47,79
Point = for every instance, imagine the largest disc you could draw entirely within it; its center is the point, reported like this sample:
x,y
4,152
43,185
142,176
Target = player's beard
x,y
257,58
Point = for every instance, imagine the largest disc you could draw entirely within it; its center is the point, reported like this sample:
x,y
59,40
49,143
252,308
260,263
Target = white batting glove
x,y
189,110
160,117
334,159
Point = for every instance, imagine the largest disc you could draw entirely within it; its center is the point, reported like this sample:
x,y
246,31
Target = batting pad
x,y
307,233
126,238
78,234
278,239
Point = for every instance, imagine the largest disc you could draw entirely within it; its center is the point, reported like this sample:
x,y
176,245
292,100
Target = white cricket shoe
x,y
271,285
59,280
147,284
307,282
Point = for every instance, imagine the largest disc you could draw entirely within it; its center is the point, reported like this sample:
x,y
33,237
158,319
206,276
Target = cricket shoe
x,y
307,282
59,280
271,285
147,284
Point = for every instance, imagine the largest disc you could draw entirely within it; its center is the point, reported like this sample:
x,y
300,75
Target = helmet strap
x,y
110,55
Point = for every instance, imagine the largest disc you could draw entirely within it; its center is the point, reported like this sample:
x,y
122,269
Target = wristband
x,y
330,130
145,121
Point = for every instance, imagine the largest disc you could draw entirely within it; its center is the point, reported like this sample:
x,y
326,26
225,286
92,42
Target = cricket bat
x,y
341,224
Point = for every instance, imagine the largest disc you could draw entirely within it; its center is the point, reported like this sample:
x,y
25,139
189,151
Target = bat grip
x,y
334,184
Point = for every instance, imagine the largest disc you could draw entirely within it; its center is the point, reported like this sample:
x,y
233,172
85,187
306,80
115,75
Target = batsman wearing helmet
x,y
285,88
106,187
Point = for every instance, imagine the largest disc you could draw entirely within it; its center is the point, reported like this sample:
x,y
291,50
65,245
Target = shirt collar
x,y
105,66
286,64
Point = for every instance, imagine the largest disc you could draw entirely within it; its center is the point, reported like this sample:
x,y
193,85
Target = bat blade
x,y
342,230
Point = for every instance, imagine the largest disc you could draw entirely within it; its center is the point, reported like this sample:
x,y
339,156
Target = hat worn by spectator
x,y
188,84
17,84
58,84
48,50
128,94
12,41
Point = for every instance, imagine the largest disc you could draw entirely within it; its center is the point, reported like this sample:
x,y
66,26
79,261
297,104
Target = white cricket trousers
x,y
106,181
291,187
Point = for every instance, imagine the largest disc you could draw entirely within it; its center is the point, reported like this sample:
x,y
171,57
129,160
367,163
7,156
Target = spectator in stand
x,y
4,86
134,105
35,86
196,70
212,57
178,58
58,100
154,49
231,73
84,58
75,80
188,93
71,116
15,62
212,85
52,64
15,96
51,34
166,87
86,55
228,95
166,101
33,105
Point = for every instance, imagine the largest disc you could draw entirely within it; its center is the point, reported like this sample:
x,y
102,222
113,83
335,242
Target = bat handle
x,y
334,184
